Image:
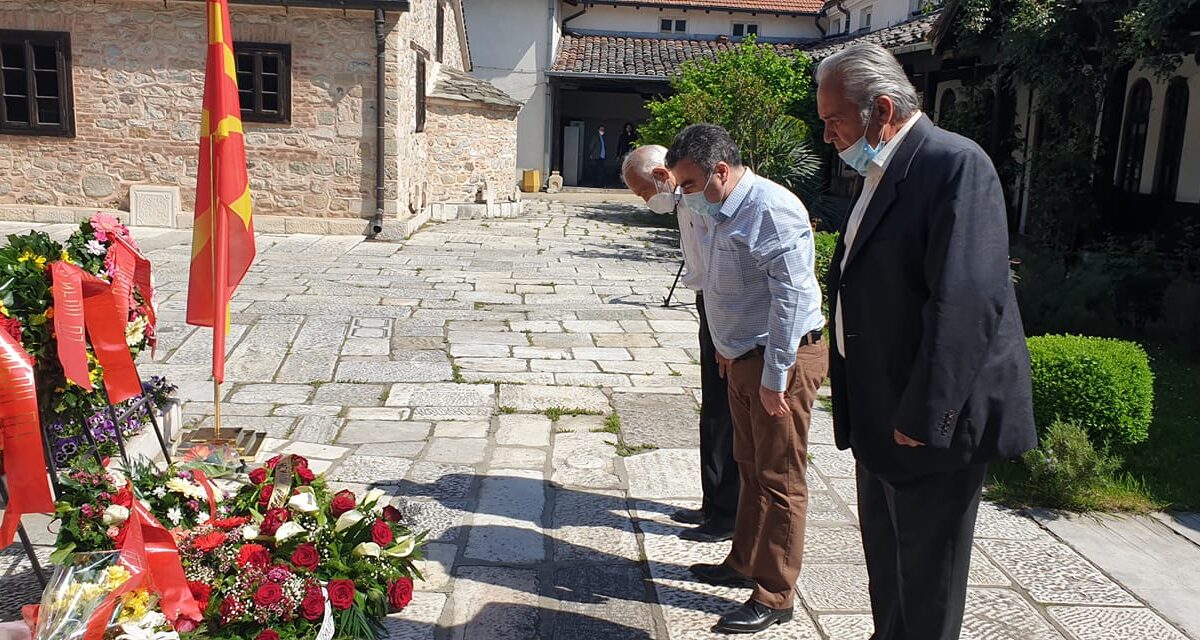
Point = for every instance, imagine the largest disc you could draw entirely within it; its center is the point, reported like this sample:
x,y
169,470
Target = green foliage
x,y
612,424
1103,385
973,116
767,103
555,413
1066,471
826,245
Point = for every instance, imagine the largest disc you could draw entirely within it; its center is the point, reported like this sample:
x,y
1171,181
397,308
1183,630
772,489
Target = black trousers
x,y
917,536
596,169
718,471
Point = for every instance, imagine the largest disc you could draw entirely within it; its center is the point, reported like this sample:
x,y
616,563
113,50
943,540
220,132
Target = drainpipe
x,y
548,140
823,13
574,15
841,7
380,125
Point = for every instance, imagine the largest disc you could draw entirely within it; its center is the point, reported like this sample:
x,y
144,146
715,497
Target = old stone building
x,y
102,101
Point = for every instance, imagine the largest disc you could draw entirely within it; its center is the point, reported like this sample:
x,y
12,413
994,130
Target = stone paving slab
x,y
663,421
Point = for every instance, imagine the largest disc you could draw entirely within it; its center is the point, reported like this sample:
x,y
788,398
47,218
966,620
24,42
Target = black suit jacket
x,y
934,342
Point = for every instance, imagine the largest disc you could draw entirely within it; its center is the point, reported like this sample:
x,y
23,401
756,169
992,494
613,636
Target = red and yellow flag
x,y
223,235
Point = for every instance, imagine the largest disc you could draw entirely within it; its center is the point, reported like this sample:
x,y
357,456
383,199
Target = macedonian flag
x,y
223,235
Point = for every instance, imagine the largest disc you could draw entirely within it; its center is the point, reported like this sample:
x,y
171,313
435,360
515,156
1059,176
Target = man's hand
x,y
774,402
724,366
904,440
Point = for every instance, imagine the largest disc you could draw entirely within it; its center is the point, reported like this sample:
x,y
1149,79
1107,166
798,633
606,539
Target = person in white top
x,y
647,177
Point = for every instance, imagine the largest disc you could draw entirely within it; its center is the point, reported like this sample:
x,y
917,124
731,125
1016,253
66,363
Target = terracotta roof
x,y
452,84
915,31
598,55
628,56
791,7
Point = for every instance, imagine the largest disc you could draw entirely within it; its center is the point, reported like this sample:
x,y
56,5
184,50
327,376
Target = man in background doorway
x,y
597,155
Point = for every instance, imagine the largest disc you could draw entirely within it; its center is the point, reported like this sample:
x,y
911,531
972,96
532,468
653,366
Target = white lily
x,y
372,499
304,502
347,520
134,632
288,530
403,547
250,532
366,550
115,514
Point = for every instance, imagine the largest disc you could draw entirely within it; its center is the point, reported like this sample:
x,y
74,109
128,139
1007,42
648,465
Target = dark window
x,y
741,29
751,29
264,77
420,93
35,82
947,106
680,26
1133,150
441,30
665,25
669,25
1170,146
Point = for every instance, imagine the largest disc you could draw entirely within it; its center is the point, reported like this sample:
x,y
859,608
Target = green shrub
x,y
1066,471
1103,385
826,244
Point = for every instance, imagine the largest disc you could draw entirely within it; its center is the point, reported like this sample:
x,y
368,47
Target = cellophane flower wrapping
x,y
76,592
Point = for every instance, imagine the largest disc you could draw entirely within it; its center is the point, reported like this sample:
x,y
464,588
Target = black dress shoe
x,y
752,618
688,516
708,532
721,575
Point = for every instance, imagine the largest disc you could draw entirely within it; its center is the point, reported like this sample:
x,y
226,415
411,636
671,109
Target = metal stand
x,y
25,541
146,401
667,300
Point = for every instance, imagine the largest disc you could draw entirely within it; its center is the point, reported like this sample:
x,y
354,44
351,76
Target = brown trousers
x,y
772,456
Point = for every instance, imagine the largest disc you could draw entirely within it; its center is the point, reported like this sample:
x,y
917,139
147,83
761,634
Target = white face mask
x,y
663,201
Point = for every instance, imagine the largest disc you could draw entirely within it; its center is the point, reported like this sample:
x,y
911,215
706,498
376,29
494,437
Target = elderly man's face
x,y
645,187
843,121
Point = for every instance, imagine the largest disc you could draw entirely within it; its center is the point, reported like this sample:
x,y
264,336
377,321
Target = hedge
x,y
1101,384
826,244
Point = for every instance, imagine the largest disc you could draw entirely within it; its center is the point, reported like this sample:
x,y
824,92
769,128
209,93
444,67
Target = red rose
x,y
400,593
299,461
306,557
268,634
253,555
264,496
392,514
258,476
272,521
209,541
343,501
271,464
12,327
341,593
268,594
201,592
381,533
305,474
313,605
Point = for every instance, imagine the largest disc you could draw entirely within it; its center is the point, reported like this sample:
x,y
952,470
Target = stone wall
x,y
472,145
138,82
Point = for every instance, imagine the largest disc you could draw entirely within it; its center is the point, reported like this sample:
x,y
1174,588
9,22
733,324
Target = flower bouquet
x,y
95,593
91,511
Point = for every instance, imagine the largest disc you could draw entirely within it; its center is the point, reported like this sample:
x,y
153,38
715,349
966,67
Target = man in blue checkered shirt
x,y
763,304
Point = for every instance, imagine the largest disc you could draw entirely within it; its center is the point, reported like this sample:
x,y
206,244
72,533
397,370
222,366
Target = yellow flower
x,y
115,577
29,256
3,310
135,606
66,258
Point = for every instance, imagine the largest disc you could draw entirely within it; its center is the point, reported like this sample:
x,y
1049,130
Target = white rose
x,y
288,530
367,550
250,532
304,502
115,514
347,520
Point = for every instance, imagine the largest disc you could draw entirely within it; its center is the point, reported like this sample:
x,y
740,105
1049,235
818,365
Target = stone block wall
x,y
137,70
472,145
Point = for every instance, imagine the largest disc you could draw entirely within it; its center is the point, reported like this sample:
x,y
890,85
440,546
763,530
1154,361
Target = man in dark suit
x,y
928,365
597,156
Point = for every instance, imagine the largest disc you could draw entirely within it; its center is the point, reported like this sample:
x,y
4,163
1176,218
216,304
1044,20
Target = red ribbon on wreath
x,y
20,439
81,300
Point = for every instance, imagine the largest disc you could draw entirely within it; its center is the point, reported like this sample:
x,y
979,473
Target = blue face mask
x,y
699,203
859,155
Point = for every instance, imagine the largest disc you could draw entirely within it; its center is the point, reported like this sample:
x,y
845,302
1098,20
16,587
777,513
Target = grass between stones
x,y
626,450
554,413
507,410
457,375
612,424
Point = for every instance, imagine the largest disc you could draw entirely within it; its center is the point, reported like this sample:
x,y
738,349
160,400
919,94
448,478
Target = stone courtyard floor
x,y
518,388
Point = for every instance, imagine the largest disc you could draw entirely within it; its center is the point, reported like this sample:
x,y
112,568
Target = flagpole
x,y
219,276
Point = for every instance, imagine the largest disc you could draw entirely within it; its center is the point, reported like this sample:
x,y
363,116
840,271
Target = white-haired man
x,y
647,177
929,369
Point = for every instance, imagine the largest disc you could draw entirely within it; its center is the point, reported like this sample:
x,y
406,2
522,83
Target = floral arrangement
x,y
77,592
267,567
27,313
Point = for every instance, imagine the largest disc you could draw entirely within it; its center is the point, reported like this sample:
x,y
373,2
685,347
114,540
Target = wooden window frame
x,y
61,41
422,95
1171,142
746,26
255,112
1132,161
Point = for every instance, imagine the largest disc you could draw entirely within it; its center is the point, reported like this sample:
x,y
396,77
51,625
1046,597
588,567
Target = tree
x,y
766,102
